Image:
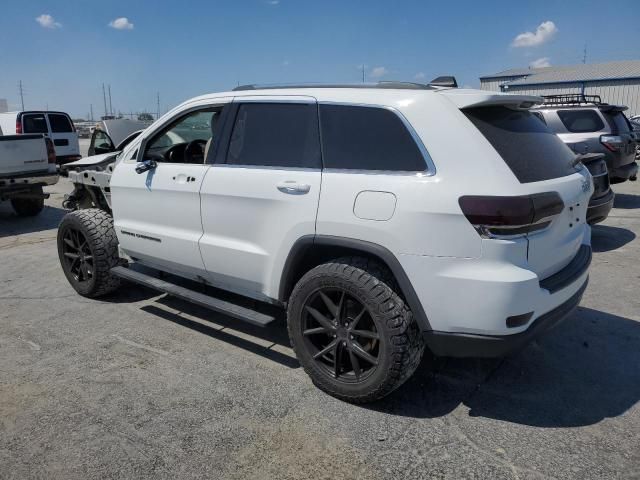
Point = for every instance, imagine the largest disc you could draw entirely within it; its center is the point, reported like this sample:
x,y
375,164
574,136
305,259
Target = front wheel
x,y
88,249
351,330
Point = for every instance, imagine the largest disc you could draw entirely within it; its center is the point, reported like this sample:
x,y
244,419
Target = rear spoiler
x,y
464,98
613,108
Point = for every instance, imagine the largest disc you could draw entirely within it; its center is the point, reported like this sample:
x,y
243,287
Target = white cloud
x,y
420,76
47,21
540,62
121,23
377,72
286,63
273,2
544,33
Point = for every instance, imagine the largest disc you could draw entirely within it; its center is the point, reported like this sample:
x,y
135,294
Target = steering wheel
x,y
194,148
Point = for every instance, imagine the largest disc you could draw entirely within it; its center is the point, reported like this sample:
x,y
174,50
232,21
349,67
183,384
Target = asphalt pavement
x,y
138,385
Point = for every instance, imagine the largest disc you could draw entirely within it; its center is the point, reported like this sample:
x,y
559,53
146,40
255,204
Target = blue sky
x,y
186,48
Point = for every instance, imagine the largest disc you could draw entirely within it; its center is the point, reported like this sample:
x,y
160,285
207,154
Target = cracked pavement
x,y
138,385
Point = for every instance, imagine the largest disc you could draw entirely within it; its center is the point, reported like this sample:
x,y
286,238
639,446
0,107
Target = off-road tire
x,y
97,227
27,207
401,342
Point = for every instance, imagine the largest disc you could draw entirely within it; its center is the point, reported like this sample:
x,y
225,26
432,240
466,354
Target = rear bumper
x,y
19,181
600,207
471,345
623,172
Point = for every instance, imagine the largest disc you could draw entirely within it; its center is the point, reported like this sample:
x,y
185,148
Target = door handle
x,y
293,188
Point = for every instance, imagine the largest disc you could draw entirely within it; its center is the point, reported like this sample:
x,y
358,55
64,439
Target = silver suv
x,y
587,125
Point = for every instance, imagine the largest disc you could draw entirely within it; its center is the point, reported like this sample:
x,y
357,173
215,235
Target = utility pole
x,y
91,110
363,73
158,105
104,97
20,89
110,104
584,54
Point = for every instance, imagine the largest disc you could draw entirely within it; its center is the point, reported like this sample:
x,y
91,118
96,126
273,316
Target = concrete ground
x,y
138,385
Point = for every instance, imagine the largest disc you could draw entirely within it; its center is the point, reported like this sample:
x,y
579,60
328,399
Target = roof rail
x,y
383,85
572,99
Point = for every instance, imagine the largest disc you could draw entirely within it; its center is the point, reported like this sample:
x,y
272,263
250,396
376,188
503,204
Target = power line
x,y
110,104
104,97
21,90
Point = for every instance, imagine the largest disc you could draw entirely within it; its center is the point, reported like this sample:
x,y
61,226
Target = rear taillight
x,y
499,217
18,126
612,142
51,151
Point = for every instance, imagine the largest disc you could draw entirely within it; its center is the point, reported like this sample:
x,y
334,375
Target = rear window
x,y
620,122
367,138
34,123
527,146
581,121
60,123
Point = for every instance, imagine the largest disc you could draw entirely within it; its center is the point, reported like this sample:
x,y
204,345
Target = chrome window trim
x,y
266,167
431,167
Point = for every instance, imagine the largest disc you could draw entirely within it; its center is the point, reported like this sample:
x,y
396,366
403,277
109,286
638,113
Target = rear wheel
x,y
88,249
28,207
351,330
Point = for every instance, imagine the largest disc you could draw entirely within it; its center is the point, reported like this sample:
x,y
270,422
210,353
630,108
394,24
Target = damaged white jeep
x,y
384,219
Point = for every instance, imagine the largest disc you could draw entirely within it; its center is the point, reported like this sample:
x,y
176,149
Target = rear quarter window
x,y
581,121
527,146
60,123
367,138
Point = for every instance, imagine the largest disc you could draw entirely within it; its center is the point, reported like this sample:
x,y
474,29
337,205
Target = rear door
x,y
541,162
63,134
262,193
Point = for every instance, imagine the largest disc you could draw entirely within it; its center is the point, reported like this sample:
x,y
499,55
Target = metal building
x,y
615,82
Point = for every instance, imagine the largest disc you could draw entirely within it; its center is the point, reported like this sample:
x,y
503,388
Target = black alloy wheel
x,y
77,255
340,334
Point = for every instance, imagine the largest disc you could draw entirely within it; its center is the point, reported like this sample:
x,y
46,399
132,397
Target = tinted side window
x,y
579,121
34,123
60,123
275,135
367,138
527,146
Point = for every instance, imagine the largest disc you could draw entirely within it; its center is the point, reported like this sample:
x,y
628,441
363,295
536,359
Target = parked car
x,y
635,125
382,218
27,163
109,135
56,125
588,125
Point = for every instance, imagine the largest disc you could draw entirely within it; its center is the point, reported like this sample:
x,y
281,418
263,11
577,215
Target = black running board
x,y
212,303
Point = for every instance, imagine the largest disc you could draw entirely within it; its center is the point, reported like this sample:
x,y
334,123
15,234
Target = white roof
x,y
392,97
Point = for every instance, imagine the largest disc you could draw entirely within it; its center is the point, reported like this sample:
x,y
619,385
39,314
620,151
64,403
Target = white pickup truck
x,y
27,163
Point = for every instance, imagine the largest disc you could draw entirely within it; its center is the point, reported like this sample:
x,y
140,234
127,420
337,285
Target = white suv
x,y
382,217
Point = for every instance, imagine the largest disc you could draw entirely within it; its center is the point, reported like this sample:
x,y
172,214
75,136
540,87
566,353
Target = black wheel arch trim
x,y
303,244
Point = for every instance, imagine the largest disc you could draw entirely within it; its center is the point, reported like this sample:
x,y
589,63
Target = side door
x,y
100,143
262,193
63,134
155,195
